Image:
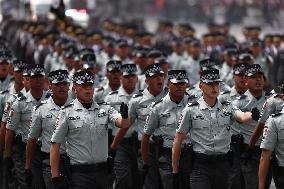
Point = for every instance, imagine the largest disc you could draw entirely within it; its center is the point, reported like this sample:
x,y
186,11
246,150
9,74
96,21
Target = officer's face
x,y
37,82
195,51
177,89
155,82
129,81
84,92
4,70
240,81
59,90
211,89
26,81
114,77
255,82
18,77
122,52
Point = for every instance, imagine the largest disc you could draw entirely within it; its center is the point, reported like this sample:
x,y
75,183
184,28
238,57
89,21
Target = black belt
x,y
204,158
168,151
87,168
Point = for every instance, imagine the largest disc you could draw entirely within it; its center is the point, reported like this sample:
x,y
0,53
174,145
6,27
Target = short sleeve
x,y
36,124
61,128
269,135
184,122
267,110
152,122
132,109
14,116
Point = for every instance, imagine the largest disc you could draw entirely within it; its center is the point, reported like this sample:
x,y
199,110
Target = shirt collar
x,y
30,97
204,105
79,106
182,103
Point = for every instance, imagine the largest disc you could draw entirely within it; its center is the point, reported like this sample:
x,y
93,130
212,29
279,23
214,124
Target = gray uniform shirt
x,y
43,123
164,115
273,136
4,85
273,105
100,93
21,113
246,103
140,106
209,128
85,131
120,96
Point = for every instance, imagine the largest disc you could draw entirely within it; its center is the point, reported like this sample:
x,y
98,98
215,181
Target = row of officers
x,y
165,136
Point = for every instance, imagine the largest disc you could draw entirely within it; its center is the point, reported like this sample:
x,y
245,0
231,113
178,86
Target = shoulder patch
x,y
155,103
5,91
137,95
194,103
276,115
113,92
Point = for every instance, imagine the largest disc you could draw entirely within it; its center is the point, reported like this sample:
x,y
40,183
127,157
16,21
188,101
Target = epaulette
x,y
113,92
191,88
194,103
137,95
155,103
241,97
268,93
41,103
5,91
225,92
276,115
48,94
102,103
68,105
225,103
99,89
20,96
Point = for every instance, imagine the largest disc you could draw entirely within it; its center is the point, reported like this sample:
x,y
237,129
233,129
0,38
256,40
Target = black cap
x,y
5,57
113,65
19,65
253,69
152,70
36,69
254,42
129,69
82,77
245,57
154,54
88,60
122,43
161,60
207,63
239,69
210,75
58,76
177,76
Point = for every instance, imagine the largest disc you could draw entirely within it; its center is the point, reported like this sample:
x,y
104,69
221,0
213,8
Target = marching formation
x,y
114,106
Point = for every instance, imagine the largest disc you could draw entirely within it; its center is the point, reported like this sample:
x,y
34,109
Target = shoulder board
x,y
48,94
113,92
99,89
276,115
194,103
137,95
20,97
191,88
226,92
268,93
5,91
241,97
155,103
141,90
41,103
68,105
225,103
102,103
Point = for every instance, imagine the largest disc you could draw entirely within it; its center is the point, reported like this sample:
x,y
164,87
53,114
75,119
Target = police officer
x,y
5,78
113,75
208,123
125,161
164,115
139,107
43,121
230,57
252,100
272,142
18,124
84,125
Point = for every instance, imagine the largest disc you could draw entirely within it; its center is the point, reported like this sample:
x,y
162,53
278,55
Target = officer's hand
x,y
58,182
175,181
255,114
28,178
124,110
145,170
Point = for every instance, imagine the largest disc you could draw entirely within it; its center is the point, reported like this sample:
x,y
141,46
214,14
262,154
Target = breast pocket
x,y
168,125
142,113
48,123
26,116
101,125
76,127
